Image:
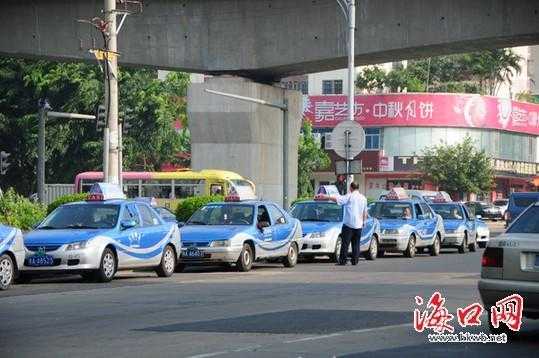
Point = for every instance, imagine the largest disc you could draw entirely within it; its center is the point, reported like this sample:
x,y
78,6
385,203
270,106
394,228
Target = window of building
x,y
332,87
372,138
304,87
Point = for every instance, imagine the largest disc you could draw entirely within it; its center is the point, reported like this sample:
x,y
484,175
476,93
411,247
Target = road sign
x,y
355,167
347,139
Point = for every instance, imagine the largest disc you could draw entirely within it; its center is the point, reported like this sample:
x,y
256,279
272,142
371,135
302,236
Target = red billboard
x,y
426,110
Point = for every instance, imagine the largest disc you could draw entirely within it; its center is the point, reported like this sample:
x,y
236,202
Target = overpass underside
x,y
267,39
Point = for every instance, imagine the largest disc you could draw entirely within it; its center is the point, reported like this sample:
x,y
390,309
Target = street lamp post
x,y
349,10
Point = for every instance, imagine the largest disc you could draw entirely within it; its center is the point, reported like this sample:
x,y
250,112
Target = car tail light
x,y
492,257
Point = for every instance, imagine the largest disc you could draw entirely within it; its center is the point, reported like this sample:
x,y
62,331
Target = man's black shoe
x,y
354,262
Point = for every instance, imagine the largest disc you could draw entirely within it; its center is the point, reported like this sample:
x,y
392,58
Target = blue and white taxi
x,y
460,226
11,255
101,235
407,225
321,223
240,233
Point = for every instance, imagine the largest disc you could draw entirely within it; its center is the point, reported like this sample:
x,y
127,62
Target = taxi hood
x,y
394,223
318,226
60,237
452,224
208,233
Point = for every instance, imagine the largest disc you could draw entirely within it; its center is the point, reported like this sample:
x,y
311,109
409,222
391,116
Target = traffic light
x,y
101,117
4,164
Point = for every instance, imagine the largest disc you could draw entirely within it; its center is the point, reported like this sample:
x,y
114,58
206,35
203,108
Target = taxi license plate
x,y
44,260
194,253
537,260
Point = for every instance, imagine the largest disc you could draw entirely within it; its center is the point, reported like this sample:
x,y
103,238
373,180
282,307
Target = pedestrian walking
x,y
355,214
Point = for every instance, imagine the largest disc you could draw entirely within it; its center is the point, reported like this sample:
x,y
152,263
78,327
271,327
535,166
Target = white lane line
x,y
206,355
249,348
381,328
313,338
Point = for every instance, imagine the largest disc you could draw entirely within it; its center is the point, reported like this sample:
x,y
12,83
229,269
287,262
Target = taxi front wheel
x,y
292,258
168,263
245,261
107,268
410,249
6,271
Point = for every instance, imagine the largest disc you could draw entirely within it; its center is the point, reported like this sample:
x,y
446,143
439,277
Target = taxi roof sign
x,y
328,190
232,195
439,198
105,191
397,194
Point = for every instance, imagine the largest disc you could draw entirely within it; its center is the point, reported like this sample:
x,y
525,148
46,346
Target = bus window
x,y
86,185
157,189
216,189
186,188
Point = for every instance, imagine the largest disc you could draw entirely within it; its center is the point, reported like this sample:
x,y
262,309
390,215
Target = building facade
x,y
398,127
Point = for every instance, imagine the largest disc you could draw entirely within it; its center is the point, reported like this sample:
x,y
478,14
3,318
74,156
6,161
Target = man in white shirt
x,y
355,214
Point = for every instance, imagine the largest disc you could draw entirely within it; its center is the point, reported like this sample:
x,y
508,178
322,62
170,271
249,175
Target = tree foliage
x,y
458,167
478,72
310,158
150,105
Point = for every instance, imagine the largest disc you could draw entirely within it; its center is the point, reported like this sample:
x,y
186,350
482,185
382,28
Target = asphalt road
x,y
314,310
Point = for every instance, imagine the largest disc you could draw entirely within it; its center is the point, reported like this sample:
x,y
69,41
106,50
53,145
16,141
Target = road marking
x,y
381,328
314,338
206,355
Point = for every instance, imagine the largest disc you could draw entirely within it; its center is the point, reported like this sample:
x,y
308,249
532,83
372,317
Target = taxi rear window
x,y
525,202
527,223
390,210
330,212
223,215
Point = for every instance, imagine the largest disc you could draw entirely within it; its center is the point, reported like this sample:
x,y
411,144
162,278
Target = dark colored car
x,y
485,210
518,202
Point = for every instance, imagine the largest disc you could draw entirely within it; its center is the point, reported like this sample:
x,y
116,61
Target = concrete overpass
x,y
266,40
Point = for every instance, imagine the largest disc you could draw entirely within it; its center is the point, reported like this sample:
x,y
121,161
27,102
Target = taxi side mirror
x,y
263,224
478,217
127,224
181,224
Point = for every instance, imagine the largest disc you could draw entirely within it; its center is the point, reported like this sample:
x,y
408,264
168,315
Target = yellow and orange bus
x,y
170,187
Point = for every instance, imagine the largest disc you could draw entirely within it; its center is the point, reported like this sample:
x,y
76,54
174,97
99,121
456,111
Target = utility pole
x,y
351,76
111,68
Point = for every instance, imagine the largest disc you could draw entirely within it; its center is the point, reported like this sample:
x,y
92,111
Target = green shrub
x,y
187,207
18,211
64,199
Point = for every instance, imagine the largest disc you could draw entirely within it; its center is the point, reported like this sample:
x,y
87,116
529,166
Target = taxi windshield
x,y
82,216
392,210
223,215
330,212
448,211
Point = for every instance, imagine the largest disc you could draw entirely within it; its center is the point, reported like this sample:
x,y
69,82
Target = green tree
x,y
458,167
151,106
310,158
371,79
493,67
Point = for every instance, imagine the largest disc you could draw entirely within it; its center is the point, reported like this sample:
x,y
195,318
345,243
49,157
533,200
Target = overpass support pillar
x,y
244,137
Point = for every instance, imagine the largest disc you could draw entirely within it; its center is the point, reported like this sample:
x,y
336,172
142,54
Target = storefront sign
x,y
405,164
426,110
514,167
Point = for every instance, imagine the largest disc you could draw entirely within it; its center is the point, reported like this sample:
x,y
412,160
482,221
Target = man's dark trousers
x,y
348,236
